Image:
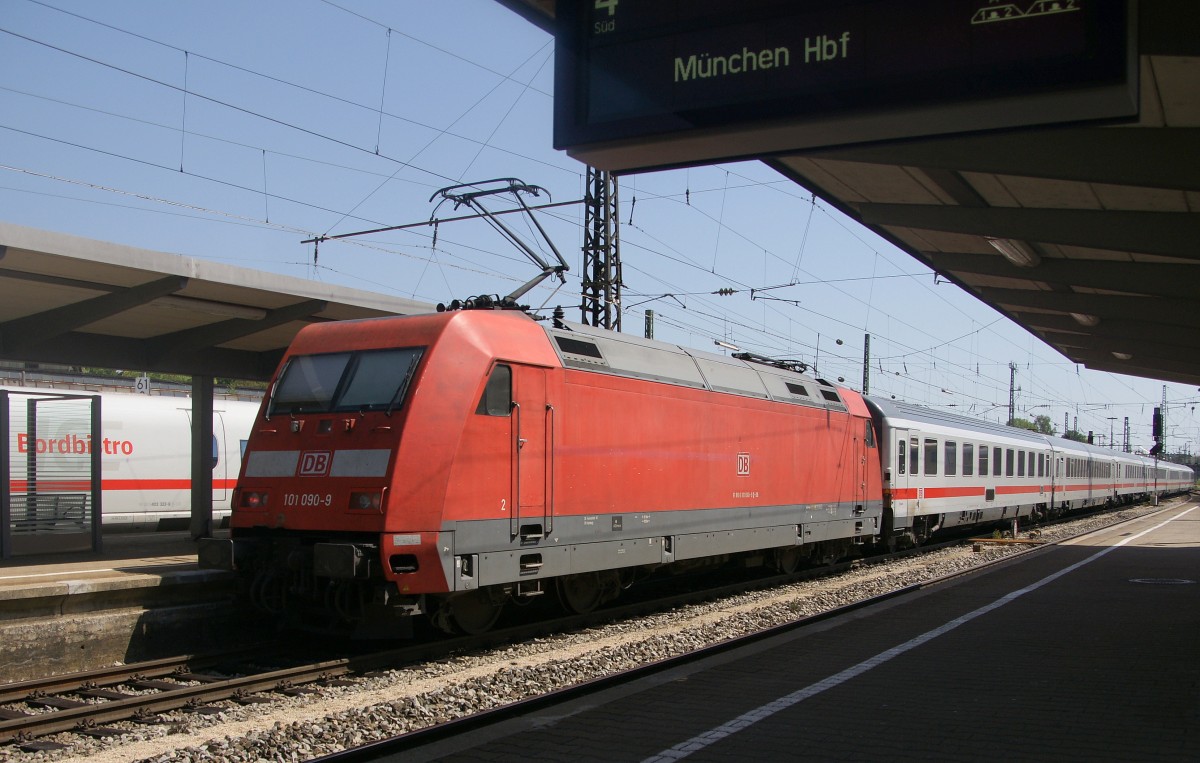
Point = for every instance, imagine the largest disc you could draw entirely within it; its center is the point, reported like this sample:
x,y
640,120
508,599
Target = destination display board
x,y
661,71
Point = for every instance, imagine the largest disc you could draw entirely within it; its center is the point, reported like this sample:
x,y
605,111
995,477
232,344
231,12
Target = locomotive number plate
x,y
308,499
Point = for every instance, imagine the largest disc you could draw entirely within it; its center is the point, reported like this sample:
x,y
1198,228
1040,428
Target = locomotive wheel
x,y
787,560
580,593
472,613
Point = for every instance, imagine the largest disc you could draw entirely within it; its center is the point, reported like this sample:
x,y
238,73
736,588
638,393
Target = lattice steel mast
x,y
601,305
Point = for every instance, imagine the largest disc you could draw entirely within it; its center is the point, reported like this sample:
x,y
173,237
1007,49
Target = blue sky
x,y
232,131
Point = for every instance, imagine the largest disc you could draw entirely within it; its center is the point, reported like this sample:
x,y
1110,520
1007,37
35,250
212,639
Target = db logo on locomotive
x,y
314,463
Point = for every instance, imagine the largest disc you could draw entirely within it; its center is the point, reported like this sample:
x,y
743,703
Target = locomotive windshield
x,y
368,380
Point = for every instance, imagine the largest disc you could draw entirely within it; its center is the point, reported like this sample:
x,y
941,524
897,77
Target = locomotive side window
x,y
497,395
869,437
968,459
931,458
951,458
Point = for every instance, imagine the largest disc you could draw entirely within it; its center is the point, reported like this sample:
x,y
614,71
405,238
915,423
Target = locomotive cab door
x,y
532,430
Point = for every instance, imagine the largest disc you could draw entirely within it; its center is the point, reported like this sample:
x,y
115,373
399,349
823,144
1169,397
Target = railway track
x,y
84,702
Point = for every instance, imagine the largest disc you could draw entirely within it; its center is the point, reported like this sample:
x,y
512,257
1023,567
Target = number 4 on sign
x,y
609,5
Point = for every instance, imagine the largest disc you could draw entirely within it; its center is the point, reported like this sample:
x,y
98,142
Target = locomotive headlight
x,y
366,500
253,500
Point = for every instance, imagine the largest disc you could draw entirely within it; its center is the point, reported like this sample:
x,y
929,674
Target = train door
x,y
862,452
221,458
530,453
902,469
218,459
1056,479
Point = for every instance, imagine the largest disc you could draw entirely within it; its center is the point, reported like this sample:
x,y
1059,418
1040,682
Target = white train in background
x,y
145,445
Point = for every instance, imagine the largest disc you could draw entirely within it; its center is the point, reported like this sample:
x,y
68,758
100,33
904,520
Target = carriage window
x,y
497,395
951,458
931,459
901,459
996,464
1030,468
914,452
1020,464
1041,464
968,459
983,460
1008,462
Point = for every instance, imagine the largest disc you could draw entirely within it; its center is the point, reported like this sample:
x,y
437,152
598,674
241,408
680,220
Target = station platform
x,y
142,596
123,555
1084,651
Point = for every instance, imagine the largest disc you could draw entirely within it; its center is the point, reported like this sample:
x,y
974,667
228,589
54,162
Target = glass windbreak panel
x,y
309,383
378,380
345,381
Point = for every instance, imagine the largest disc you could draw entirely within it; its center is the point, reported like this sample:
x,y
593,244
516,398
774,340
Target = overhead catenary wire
x,y
789,323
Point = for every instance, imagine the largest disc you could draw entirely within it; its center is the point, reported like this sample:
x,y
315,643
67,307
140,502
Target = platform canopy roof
x,y
77,301
1101,223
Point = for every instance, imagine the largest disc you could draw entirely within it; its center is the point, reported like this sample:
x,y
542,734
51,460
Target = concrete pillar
x,y
202,454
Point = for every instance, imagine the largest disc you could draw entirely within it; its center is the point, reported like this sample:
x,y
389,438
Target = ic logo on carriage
x,y
314,463
743,464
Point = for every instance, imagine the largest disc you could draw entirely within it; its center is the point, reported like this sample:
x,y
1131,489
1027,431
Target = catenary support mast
x,y
601,303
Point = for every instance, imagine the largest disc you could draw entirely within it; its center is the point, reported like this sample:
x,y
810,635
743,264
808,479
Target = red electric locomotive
x,y
445,464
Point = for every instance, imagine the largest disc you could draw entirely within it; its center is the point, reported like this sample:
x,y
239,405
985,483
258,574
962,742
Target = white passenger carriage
x,y
145,447
943,470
